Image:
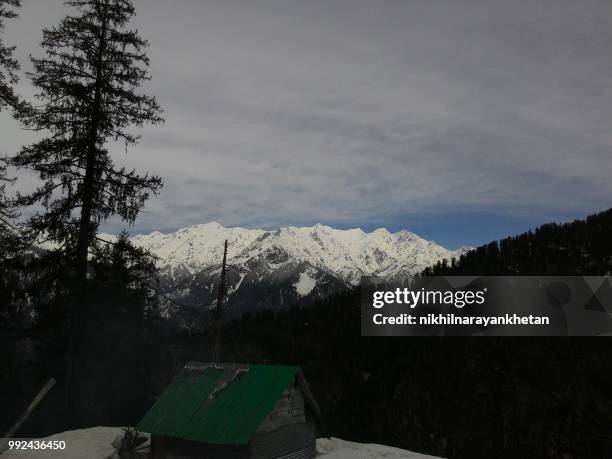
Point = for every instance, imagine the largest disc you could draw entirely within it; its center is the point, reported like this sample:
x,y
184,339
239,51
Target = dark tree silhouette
x,y
88,83
129,272
578,248
9,237
8,77
8,64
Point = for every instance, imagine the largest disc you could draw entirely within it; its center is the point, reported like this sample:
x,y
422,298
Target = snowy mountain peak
x,y
285,266
346,253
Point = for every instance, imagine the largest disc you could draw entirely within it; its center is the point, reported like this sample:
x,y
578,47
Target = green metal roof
x,y
232,417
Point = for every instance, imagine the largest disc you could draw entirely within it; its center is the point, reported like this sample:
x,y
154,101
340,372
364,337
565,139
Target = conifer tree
x,y
9,237
88,83
8,77
126,273
8,64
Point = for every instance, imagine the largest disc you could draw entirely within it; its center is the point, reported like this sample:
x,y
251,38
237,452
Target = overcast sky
x,y
464,121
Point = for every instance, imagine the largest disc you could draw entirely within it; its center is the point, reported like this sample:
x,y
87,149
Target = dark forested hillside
x,y
581,248
456,397
460,397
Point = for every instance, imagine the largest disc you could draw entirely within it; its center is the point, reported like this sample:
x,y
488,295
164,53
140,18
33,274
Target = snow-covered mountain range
x,y
347,253
284,266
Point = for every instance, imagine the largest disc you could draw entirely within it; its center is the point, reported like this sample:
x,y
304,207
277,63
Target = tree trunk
x,y
85,227
85,230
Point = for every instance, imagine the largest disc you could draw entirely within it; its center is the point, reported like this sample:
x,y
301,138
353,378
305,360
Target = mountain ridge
x,y
349,253
271,269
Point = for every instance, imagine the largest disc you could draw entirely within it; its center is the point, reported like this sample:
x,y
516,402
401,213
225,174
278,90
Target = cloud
x,y
360,112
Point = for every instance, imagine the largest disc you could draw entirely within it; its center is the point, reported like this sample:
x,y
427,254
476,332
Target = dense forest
x,y
579,248
454,397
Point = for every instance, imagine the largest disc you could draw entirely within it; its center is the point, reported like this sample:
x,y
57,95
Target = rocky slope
x,y
271,269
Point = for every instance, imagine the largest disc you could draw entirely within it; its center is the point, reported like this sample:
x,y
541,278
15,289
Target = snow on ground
x,y
104,442
305,284
334,448
92,443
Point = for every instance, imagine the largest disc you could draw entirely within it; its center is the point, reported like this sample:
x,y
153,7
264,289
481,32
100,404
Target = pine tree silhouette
x,y
8,64
88,83
8,77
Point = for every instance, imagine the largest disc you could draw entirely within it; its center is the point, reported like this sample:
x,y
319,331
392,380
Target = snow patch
x,y
105,442
92,443
334,448
305,284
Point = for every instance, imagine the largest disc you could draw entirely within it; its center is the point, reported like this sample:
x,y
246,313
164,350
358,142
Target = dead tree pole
x,y
219,308
26,414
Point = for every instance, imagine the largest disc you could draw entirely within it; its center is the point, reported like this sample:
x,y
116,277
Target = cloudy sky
x,y
461,120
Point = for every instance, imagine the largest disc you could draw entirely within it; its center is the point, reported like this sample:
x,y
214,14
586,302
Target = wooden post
x,y
219,308
26,414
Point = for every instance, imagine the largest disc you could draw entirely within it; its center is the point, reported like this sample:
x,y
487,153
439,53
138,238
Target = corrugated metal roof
x,y
231,417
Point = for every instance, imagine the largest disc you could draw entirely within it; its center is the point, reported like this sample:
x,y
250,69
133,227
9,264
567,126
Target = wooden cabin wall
x,y
285,433
292,441
177,448
289,409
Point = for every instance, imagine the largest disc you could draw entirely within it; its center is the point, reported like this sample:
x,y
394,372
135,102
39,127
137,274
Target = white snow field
x,y
92,443
334,448
104,442
305,284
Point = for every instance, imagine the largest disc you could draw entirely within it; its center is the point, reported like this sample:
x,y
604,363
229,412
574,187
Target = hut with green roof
x,y
234,411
